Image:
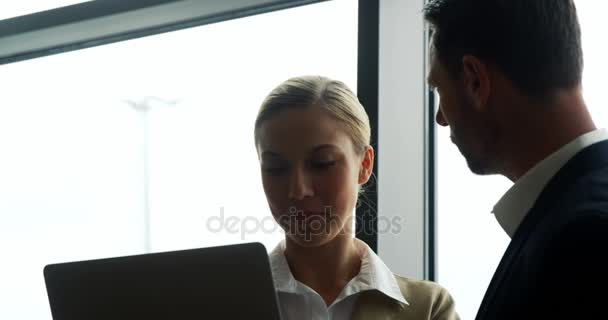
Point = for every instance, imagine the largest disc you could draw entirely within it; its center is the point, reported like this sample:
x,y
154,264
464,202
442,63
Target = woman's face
x,y
311,174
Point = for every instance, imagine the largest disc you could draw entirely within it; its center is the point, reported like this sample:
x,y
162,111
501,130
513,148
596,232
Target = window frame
x,y
385,27
99,22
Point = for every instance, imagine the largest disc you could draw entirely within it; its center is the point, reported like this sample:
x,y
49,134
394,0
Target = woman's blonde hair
x,y
332,96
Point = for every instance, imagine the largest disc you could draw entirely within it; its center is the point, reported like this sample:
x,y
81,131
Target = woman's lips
x,y
325,211
308,213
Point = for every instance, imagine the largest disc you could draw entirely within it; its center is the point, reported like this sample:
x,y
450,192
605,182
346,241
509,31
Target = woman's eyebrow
x,y
324,146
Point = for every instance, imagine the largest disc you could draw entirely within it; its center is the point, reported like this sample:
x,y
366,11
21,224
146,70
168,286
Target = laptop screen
x,y
227,282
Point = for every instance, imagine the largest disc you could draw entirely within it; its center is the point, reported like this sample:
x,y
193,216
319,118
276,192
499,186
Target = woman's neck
x,y
326,268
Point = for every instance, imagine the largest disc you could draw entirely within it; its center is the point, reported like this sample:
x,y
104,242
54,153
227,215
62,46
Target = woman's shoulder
x,y
429,294
420,287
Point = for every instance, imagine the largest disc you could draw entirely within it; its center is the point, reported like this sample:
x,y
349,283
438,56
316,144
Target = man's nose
x,y
440,119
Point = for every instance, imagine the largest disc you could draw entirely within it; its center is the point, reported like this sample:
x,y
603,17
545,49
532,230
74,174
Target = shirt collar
x,y
374,275
512,208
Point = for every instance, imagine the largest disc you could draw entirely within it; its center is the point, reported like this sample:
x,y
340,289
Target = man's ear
x,y
476,78
367,165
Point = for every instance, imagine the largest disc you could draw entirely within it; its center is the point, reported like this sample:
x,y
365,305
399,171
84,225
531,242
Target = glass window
x,y
147,145
593,28
470,241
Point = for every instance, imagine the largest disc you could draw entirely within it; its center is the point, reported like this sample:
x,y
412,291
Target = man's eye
x,y
275,171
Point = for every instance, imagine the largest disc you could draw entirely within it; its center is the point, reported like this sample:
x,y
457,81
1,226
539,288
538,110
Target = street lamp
x,y
143,108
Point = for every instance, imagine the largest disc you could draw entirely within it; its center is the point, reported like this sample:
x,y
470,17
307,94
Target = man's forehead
x,y
432,65
432,49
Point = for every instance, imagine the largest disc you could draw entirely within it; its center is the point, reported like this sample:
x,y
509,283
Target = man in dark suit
x,y
508,76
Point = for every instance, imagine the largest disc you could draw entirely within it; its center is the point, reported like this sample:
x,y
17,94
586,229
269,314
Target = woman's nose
x,y
300,185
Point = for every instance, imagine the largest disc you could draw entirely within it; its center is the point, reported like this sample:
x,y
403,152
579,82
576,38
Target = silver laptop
x,y
226,282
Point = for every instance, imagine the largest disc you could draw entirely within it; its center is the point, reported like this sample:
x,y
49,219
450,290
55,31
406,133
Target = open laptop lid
x,y
226,282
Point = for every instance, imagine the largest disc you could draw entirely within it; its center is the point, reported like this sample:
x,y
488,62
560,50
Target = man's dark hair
x,y
535,43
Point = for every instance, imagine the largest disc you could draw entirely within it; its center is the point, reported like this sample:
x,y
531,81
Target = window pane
x,y
593,28
470,241
141,145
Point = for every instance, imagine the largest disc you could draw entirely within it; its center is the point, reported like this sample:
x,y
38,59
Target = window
x,y
593,25
145,145
470,241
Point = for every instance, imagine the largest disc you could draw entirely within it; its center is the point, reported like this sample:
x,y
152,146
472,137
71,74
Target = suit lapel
x,y
589,159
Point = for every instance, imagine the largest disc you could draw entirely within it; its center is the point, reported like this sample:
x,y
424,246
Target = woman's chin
x,y
311,240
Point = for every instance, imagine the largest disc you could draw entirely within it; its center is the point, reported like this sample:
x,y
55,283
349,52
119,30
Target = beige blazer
x,y
427,301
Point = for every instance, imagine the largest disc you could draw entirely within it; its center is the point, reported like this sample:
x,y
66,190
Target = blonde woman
x,y
313,140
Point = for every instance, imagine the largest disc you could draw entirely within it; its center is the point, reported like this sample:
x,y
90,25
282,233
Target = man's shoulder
x,y
580,199
574,264
572,221
589,172
588,227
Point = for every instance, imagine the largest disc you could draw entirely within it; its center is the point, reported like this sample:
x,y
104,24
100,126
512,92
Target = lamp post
x,y
143,108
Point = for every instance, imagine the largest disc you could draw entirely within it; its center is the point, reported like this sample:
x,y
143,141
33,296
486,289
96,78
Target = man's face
x,y
472,130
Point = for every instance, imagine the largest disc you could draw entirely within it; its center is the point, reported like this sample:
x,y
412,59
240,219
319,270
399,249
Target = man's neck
x,y
542,129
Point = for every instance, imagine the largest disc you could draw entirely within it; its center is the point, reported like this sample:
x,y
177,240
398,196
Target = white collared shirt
x,y
298,301
512,208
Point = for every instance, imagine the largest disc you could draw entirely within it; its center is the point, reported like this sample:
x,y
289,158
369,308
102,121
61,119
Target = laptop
x,y
225,282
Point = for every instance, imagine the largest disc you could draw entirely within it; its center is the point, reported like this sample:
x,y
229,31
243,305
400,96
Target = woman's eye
x,y
323,165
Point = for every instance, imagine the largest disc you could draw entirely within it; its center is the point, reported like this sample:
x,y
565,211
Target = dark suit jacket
x,y
556,266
